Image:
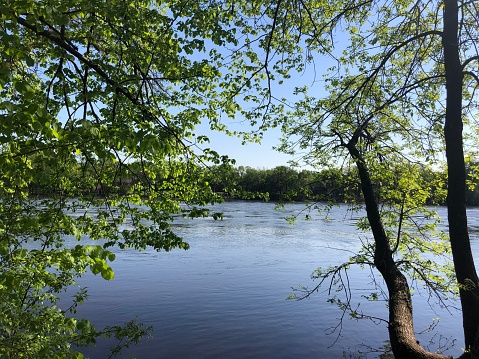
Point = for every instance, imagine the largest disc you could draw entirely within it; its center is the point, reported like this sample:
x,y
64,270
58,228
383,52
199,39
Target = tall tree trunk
x,y
401,326
456,198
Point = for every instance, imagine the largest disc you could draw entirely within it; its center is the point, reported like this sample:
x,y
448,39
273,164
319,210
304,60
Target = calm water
x,y
226,296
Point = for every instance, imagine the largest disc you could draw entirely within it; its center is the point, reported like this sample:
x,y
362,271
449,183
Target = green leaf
x,y
108,274
30,62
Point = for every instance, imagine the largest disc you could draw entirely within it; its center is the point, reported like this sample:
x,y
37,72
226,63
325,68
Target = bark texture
x,y
456,199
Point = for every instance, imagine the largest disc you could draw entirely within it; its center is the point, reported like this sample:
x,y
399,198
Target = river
x,y
226,296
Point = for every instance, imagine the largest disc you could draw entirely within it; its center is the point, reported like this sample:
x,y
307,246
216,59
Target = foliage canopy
x,y
93,87
98,105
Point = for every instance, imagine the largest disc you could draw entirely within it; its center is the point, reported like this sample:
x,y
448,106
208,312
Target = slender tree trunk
x,y
456,198
401,326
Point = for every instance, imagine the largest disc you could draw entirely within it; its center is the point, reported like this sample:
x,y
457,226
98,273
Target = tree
x,y
88,99
401,89
98,105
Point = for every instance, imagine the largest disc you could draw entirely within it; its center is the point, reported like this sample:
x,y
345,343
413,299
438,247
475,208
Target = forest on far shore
x,y
285,183
280,184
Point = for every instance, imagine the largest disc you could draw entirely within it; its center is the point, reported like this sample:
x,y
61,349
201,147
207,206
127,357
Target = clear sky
x,y
251,154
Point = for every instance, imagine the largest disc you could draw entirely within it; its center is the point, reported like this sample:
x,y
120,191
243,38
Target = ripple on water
x,y
225,297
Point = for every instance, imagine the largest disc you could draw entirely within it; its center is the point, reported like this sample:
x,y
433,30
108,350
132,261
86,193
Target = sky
x,y
261,156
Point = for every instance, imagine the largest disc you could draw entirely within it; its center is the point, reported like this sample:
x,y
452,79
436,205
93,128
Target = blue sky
x,y
251,154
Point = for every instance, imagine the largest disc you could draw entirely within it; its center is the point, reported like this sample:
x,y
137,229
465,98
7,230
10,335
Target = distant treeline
x,y
284,183
281,183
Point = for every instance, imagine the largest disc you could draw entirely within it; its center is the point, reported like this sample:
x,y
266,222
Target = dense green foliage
x,y
97,97
281,183
284,183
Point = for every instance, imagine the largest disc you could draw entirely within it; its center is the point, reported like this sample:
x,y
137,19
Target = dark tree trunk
x,y
456,198
401,326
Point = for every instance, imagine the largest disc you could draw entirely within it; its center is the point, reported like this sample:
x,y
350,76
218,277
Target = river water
x,y
226,296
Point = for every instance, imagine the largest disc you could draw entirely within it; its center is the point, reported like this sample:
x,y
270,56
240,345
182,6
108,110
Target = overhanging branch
x,y
56,38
